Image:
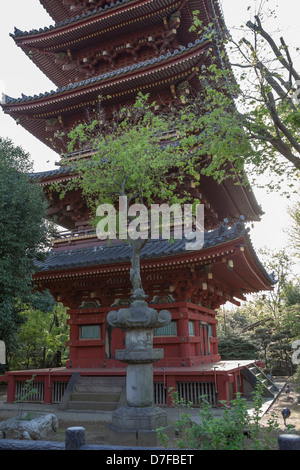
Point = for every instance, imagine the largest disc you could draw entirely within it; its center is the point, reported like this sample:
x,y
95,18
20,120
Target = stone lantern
x,y
136,423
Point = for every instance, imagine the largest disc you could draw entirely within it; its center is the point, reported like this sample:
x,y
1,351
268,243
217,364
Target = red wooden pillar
x,y
48,388
74,336
183,335
11,389
197,334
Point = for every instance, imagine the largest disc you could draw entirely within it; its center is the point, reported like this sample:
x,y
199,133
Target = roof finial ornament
x,y
240,225
223,227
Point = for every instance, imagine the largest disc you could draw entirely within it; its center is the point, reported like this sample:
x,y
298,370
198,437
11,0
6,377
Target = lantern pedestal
x,y
136,423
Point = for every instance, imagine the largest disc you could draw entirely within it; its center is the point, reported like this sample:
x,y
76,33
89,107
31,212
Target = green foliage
x,y
273,317
248,117
234,343
23,235
132,158
28,390
236,429
296,380
41,339
237,346
129,157
294,229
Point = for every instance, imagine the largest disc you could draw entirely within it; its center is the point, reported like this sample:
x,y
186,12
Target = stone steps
x,y
97,393
255,375
92,405
77,396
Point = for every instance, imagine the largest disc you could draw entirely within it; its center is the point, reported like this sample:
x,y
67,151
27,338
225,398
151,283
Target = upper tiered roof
x,y
40,114
46,46
76,39
66,10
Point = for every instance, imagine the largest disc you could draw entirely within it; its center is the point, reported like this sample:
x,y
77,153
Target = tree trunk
x,y
135,271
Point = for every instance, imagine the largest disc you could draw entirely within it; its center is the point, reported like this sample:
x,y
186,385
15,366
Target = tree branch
x,y
277,121
259,29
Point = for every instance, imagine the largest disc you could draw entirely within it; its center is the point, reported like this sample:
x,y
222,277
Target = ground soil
x,y
95,429
285,400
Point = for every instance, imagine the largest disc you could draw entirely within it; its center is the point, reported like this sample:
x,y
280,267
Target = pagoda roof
x,y
230,198
57,9
60,12
150,75
248,273
81,31
88,23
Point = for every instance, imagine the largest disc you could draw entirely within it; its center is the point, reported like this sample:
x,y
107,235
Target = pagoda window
x,y
191,328
90,332
168,330
206,333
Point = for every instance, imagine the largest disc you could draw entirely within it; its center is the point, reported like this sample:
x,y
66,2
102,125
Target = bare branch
x,y
277,121
259,29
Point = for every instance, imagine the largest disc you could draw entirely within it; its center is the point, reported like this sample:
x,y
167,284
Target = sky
x,y
19,75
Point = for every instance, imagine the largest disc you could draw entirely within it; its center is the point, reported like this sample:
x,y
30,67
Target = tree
x,y
275,315
234,343
131,161
249,111
41,338
294,229
23,235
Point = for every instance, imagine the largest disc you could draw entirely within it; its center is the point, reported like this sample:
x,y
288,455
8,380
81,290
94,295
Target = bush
x,y
235,430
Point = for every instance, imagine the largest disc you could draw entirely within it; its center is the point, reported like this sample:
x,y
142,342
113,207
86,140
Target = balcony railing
x,y
67,236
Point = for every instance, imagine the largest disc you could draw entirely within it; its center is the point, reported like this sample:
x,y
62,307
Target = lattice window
x,y
191,328
168,330
90,332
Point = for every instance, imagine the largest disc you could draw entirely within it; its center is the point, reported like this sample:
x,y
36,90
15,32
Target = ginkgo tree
x,y
141,154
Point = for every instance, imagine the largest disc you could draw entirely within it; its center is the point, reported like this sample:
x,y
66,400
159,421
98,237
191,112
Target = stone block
x,y
145,419
131,438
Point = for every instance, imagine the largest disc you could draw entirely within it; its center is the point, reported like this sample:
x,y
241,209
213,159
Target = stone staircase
x,y
255,375
88,393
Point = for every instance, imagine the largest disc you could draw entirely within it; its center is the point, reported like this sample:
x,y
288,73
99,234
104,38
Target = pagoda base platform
x,y
219,381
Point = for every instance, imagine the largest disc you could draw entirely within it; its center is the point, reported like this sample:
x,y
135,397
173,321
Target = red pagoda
x,y
116,49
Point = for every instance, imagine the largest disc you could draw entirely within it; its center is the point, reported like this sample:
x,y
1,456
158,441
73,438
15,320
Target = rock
x,y
37,428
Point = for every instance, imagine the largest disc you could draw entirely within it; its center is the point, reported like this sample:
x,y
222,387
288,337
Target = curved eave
x,y
49,177
246,276
60,12
117,19
57,10
230,203
155,74
234,194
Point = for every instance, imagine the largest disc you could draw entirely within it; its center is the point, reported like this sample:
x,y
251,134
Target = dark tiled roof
x,y
99,78
42,175
121,252
19,33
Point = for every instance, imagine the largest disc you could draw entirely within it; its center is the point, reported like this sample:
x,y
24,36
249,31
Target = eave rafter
x,y
70,38
36,113
120,18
